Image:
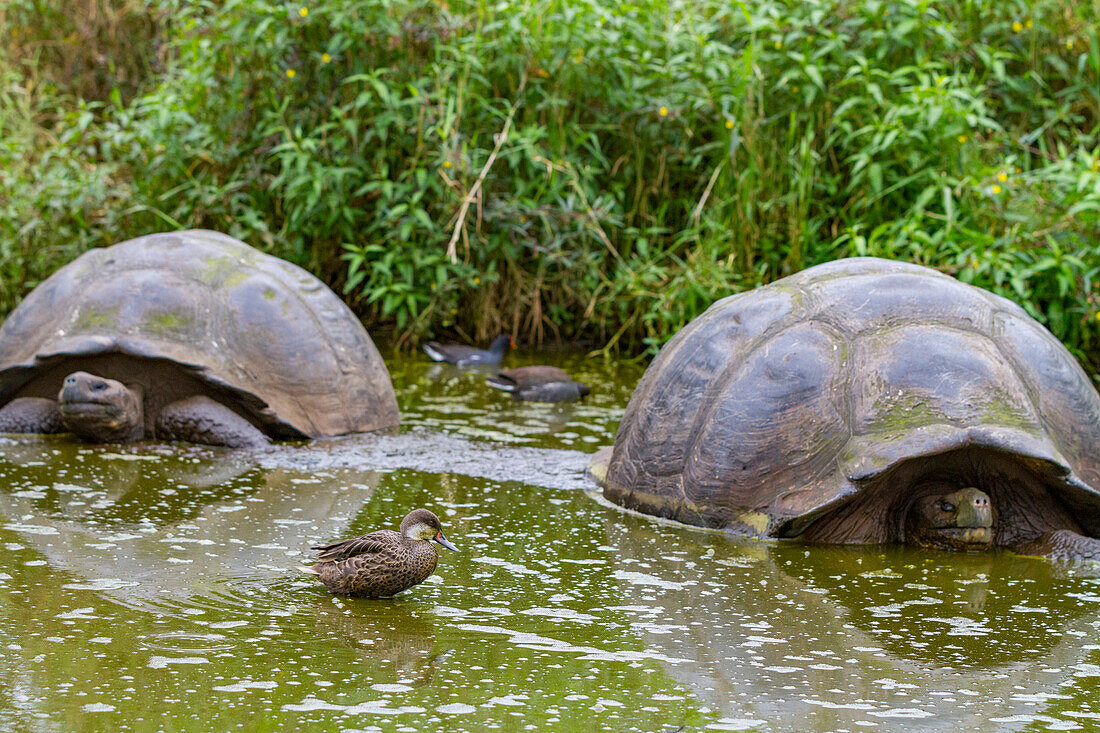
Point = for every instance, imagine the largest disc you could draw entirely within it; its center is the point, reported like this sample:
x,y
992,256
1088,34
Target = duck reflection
x,y
391,634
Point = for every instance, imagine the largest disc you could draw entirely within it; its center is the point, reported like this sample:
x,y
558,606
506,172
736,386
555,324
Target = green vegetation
x,y
599,172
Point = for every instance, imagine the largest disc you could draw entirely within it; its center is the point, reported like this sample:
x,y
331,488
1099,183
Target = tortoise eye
x,y
947,506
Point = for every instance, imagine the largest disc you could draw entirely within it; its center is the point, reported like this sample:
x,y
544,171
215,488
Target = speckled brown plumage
x,y
382,563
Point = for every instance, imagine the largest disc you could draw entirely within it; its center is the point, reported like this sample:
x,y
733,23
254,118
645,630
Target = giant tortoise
x,y
866,401
189,335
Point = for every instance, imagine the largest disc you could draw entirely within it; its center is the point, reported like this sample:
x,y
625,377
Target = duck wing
x,y
538,374
462,355
442,352
382,541
502,381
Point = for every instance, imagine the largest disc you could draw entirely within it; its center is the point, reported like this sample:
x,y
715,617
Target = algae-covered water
x,y
153,587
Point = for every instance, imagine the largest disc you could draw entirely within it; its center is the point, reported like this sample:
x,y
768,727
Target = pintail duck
x,y
538,384
461,355
382,563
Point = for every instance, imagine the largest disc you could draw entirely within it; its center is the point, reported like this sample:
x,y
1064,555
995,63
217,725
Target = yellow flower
x,y
433,286
325,58
303,12
1029,23
1098,315
1002,177
446,164
996,188
1069,43
477,281
663,111
290,73
729,124
963,138
1017,26
778,45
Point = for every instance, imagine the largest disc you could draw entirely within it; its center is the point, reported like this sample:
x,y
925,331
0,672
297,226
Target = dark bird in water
x,y
538,384
461,355
382,563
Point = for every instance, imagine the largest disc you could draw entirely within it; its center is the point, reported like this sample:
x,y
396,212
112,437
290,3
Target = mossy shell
x,y
265,335
778,404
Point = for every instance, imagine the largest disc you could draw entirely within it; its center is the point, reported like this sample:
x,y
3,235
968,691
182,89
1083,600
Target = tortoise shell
x,y
260,332
777,405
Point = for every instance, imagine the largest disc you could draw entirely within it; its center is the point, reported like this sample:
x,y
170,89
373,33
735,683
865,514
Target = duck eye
x,y
947,506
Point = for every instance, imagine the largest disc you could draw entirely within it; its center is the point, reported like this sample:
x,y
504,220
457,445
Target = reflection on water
x,y
851,638
154,587
457,401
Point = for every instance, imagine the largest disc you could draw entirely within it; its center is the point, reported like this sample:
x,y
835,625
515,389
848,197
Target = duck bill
x,y
443,541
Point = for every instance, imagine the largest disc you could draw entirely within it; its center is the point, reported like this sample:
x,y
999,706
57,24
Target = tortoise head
x,y
101,410
951,520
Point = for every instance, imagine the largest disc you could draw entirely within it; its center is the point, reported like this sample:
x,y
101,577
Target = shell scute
x,y
796,379
923,374
1067,410
658,423
878,301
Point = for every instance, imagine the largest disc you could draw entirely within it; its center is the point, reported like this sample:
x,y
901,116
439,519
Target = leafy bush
x,y
54,202
92,49
575,171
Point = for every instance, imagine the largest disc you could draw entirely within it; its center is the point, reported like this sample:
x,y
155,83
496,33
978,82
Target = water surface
x,y
153,587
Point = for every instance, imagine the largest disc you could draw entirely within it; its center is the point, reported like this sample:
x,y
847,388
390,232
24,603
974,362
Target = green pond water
x,y
153,587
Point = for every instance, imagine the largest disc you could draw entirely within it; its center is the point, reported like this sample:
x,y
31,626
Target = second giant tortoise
x,y
866,401
189,335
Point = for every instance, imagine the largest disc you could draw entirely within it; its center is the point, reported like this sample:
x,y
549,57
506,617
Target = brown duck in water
x,y
538,384
382,563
